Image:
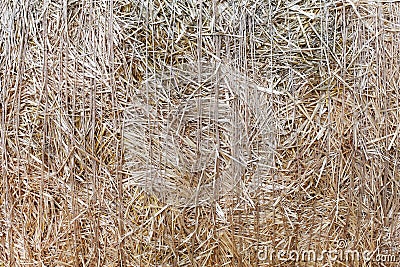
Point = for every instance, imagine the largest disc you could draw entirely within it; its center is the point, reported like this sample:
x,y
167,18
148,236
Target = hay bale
x,y
192,142
196,133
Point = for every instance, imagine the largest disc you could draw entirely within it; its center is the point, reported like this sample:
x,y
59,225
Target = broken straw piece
x,y
268,90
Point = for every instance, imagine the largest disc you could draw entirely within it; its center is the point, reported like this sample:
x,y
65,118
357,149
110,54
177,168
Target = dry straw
x,y
202,137
196,133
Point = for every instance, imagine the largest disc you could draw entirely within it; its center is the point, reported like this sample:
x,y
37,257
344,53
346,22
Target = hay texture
x,y
198,133
203,139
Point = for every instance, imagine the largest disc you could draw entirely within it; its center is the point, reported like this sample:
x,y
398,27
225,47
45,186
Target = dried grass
x,y
192,133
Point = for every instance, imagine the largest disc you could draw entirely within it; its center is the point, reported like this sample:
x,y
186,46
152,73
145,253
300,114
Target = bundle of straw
x,y
198,133
191,141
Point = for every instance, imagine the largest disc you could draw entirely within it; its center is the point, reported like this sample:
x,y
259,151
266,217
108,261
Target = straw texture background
x,y
195,133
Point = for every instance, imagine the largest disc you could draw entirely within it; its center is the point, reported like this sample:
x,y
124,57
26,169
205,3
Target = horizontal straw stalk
x,y
197,133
